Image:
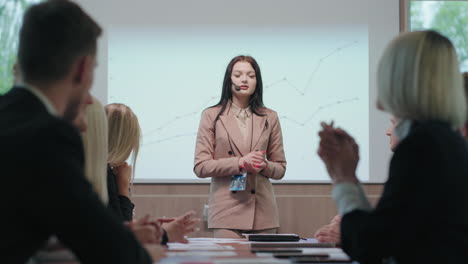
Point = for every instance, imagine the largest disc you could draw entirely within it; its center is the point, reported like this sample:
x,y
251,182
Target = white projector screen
x,y
166,60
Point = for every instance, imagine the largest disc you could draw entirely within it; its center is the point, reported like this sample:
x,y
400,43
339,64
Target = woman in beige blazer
x,y
240,135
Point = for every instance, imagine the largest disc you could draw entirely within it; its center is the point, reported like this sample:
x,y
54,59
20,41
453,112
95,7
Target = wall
x,y
303,208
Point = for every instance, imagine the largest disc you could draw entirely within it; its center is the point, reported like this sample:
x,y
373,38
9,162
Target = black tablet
x,y
274,237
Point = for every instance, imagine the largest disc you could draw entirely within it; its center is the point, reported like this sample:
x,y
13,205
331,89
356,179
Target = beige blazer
x,y
218,150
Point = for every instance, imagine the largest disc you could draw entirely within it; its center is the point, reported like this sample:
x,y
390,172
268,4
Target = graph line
x,y
321,60
303,91
318,110
177,118
169,138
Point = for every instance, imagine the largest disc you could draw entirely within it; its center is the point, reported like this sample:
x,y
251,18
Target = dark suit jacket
x,y
44,191
422,216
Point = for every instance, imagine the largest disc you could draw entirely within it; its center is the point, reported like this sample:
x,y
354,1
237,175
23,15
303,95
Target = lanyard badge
x,y
238,182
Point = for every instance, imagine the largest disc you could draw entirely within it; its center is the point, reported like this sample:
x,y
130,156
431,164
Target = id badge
x,y
238,182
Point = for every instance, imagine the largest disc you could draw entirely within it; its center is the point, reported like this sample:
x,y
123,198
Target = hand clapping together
x,y
339,152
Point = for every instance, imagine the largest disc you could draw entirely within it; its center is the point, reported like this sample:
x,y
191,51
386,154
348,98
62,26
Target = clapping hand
x,y
146,230
178,227
339,152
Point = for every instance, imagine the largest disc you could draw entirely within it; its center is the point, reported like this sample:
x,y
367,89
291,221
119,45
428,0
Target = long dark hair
x,y
256,99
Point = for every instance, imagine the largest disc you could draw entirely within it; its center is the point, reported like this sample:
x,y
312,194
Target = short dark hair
x,y
53,35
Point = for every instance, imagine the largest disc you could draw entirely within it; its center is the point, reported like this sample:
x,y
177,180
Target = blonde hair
x,y
419,79
124,134
95,147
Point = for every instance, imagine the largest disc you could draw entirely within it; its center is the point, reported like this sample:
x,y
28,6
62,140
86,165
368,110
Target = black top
x,y
422,216
120,204
45,192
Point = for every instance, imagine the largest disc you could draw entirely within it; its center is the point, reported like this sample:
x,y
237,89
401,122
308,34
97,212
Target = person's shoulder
x,y
22,115
40,140
418,136
58,130
270,113
213,109
18,99
433,126
43,129
429,140
433,132
211,112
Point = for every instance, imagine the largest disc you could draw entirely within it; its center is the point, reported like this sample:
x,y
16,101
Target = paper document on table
x,y
321,250
216,253
252,261
334,254
197,246
186,259
299,244
339,256
216,240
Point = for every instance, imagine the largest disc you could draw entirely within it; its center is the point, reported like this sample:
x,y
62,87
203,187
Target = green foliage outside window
x,y
11,13
447,17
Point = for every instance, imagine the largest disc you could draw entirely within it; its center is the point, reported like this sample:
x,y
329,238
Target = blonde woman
x,y
124,140
94,138
424,201
95,141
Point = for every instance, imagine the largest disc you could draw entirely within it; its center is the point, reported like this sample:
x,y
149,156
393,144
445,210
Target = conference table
x,y
233,251
229,251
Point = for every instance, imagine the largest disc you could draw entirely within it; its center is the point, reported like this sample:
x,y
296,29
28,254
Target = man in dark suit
x,y
45,192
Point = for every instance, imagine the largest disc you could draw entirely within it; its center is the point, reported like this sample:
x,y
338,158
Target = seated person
x,y
95,140
124,140
41,152
331,233
418,82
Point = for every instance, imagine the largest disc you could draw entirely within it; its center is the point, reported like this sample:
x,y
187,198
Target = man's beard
x,y
71,111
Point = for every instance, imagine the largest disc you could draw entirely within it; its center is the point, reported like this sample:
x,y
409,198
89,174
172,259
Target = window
x,y
11,14
447,17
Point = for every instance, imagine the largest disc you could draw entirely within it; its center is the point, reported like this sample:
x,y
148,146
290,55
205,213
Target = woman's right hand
x,y
339,152
253,162
146,230
123,175
331,232
180,226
